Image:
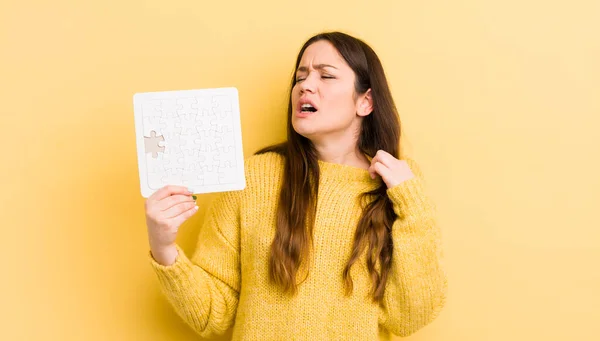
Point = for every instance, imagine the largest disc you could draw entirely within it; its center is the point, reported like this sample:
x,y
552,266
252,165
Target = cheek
x,y
340,103
295,93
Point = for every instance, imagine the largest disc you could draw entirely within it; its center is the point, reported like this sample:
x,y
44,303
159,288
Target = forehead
x,y
321,52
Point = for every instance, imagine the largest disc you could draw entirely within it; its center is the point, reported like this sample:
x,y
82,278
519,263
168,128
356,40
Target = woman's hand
x,y
166,210
392,171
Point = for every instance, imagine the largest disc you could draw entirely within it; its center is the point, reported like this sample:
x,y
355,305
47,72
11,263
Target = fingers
x,y
174,200
381,169
372,171
382,157
180,208
168,190
179,219
167,197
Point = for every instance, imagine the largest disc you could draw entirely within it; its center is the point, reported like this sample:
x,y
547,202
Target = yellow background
x,y
499,101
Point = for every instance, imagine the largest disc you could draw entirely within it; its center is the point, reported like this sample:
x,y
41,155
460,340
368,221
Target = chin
x,y
304,129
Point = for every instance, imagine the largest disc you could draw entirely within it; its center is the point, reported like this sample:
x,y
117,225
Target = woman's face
x,y
323,97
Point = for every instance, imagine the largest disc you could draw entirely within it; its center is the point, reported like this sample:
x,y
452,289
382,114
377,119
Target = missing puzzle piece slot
x,y
151,144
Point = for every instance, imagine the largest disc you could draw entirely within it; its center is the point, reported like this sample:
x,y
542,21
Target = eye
x,y
299,79
328,77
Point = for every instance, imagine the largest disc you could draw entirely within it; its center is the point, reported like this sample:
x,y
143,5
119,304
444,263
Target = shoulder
x,y
266,162
262,169
262,172
413,165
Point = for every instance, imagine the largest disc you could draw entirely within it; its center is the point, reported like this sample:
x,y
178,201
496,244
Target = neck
x,y
341,151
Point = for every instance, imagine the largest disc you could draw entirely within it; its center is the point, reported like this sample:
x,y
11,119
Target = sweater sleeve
x,y
417,284
204,289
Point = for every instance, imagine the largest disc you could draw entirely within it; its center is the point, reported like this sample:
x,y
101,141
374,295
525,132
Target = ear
x,y
365,104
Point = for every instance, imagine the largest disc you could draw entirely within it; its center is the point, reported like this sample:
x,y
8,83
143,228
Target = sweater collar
x,y
345,172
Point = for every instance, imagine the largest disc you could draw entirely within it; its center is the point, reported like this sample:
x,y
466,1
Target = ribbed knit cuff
x,y
182,267
187,289
409,198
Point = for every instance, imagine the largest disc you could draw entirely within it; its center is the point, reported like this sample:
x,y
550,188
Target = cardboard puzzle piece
x,y
191,139
152,108
188,123
227,158
169,108
185,106
151,144
154,124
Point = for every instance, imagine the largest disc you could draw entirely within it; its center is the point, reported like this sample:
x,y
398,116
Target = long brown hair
x,y
298,197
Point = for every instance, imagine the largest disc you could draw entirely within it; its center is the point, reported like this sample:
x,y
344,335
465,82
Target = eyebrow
x,y
318,66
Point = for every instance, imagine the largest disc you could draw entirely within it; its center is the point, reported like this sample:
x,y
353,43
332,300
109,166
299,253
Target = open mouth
x,y
307,108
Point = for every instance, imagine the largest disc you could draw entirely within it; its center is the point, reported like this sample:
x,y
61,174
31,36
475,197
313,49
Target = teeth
x,y
308,108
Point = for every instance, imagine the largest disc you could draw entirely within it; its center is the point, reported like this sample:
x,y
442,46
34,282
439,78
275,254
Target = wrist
x,y
164,255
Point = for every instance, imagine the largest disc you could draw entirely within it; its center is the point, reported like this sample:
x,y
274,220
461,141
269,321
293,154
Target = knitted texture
x,y
225,283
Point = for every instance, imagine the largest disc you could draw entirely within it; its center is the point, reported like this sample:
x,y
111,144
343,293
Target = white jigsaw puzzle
x,y
189,138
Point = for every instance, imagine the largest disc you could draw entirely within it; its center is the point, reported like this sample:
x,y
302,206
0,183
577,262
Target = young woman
x,y
333,238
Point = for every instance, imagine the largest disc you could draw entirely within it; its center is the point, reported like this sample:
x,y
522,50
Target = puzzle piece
x,y
186,106
190,143
172,125
152,108
227,175
172,143
202,105
154,165
222,123
188,124
193,175
154,123
211,140
227,158
226,139
173,161
169,108
206,121
210,177
210,157
151,144
221,103
155,180
173,176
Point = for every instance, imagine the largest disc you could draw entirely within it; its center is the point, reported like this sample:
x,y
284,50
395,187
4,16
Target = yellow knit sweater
x,y
225,283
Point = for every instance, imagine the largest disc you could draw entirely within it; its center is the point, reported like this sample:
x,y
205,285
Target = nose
x,y
308,84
